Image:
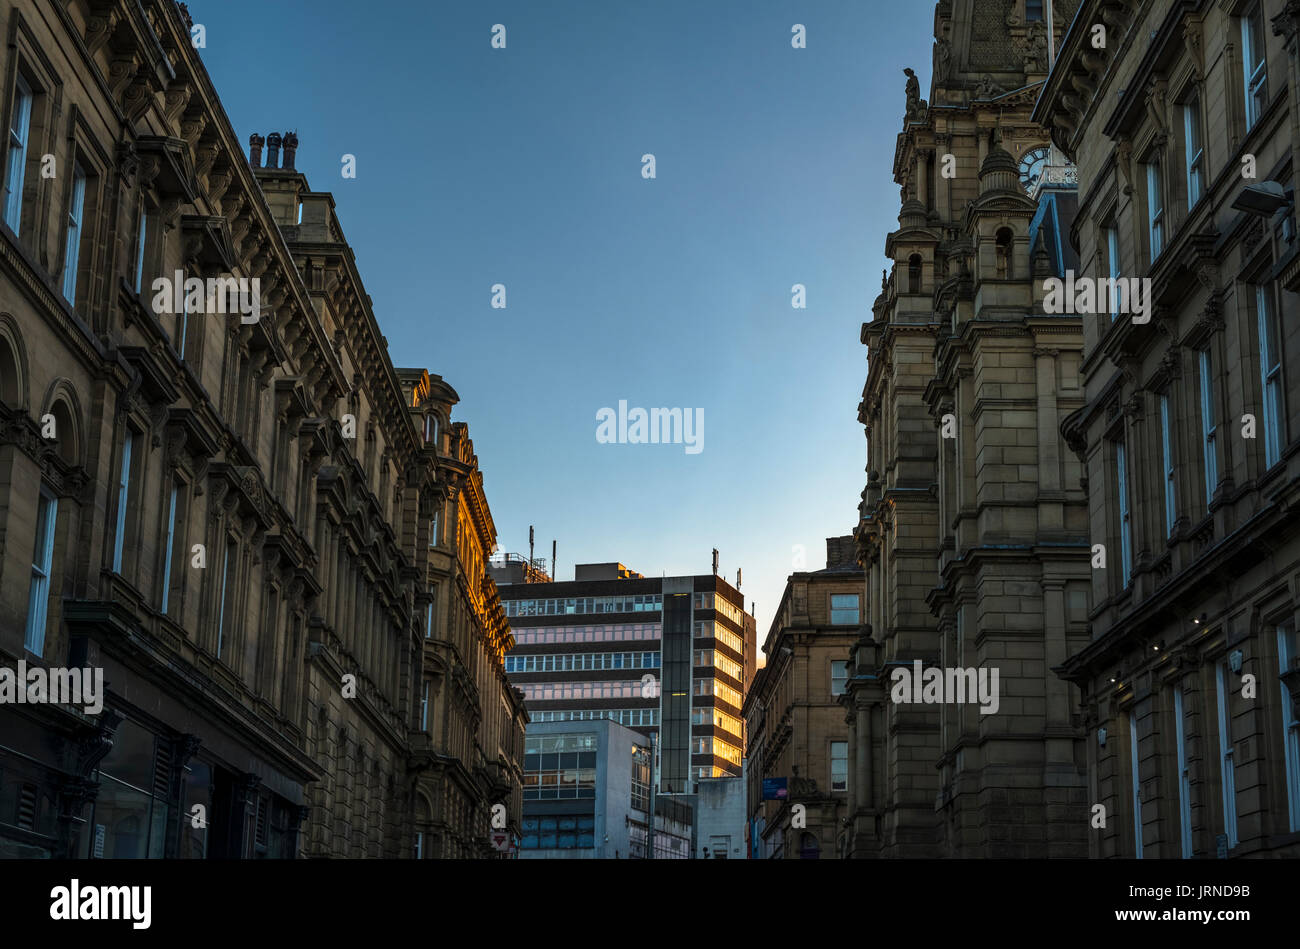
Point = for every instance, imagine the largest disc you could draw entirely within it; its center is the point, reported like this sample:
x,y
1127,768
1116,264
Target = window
x,y
123,498
1226,769
72,243
839,675
182,323
1253,60
839,766
142,238
424,707
1125,515
1033,10
419,845
1270,372
433,530
1194,150
1288,653
226,603
20,119
1167,453
914,274
1184,774
1113,267
1137,785
1155,208
1208,427
38,599
169,554
844,609
428,620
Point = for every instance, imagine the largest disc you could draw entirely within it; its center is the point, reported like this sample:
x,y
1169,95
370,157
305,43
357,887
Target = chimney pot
x,y
273,150
290,149
255,143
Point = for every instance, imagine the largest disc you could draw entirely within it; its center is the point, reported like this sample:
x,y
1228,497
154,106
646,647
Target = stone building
x,y
796,728
973,528
467,755
1184,131
211,480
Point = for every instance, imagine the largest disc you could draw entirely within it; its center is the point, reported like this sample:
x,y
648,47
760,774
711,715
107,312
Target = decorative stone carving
x,y
916,106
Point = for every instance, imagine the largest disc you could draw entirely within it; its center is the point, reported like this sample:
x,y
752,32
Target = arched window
x,y
1004,239
914,274
11,384
67,433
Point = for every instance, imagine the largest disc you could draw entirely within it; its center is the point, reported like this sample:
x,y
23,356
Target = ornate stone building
x,y
212,482
973,525
796,726
1185,135
468,754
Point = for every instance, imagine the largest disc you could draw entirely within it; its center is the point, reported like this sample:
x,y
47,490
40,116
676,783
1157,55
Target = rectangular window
x,y
72,243
419,845
1033,10
169,547
1155,208
38,599
433,530
839,675
1137,785
1184,774
123,499
1208,427
142,238
1288,653
1227,771
424,707
844,609
1270,373
1167,452
839,766
20,119
1114,269
1254,63
182,323
1125,515
428,620
1194,149
225,604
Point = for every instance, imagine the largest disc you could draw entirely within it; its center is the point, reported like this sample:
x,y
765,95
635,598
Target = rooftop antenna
x,y
530,545
555,567
738,578
715,561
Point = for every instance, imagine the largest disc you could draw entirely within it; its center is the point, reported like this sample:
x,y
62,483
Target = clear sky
x,y
522,166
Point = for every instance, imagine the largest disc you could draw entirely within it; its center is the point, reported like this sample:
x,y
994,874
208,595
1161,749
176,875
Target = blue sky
x,y
522,166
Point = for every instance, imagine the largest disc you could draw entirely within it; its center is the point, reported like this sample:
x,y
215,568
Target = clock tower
x,y
969,495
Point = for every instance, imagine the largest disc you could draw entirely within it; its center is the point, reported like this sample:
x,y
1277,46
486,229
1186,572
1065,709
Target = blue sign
x,y
774,789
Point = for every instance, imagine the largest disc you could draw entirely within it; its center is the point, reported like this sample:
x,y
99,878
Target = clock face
x,y
1032,164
